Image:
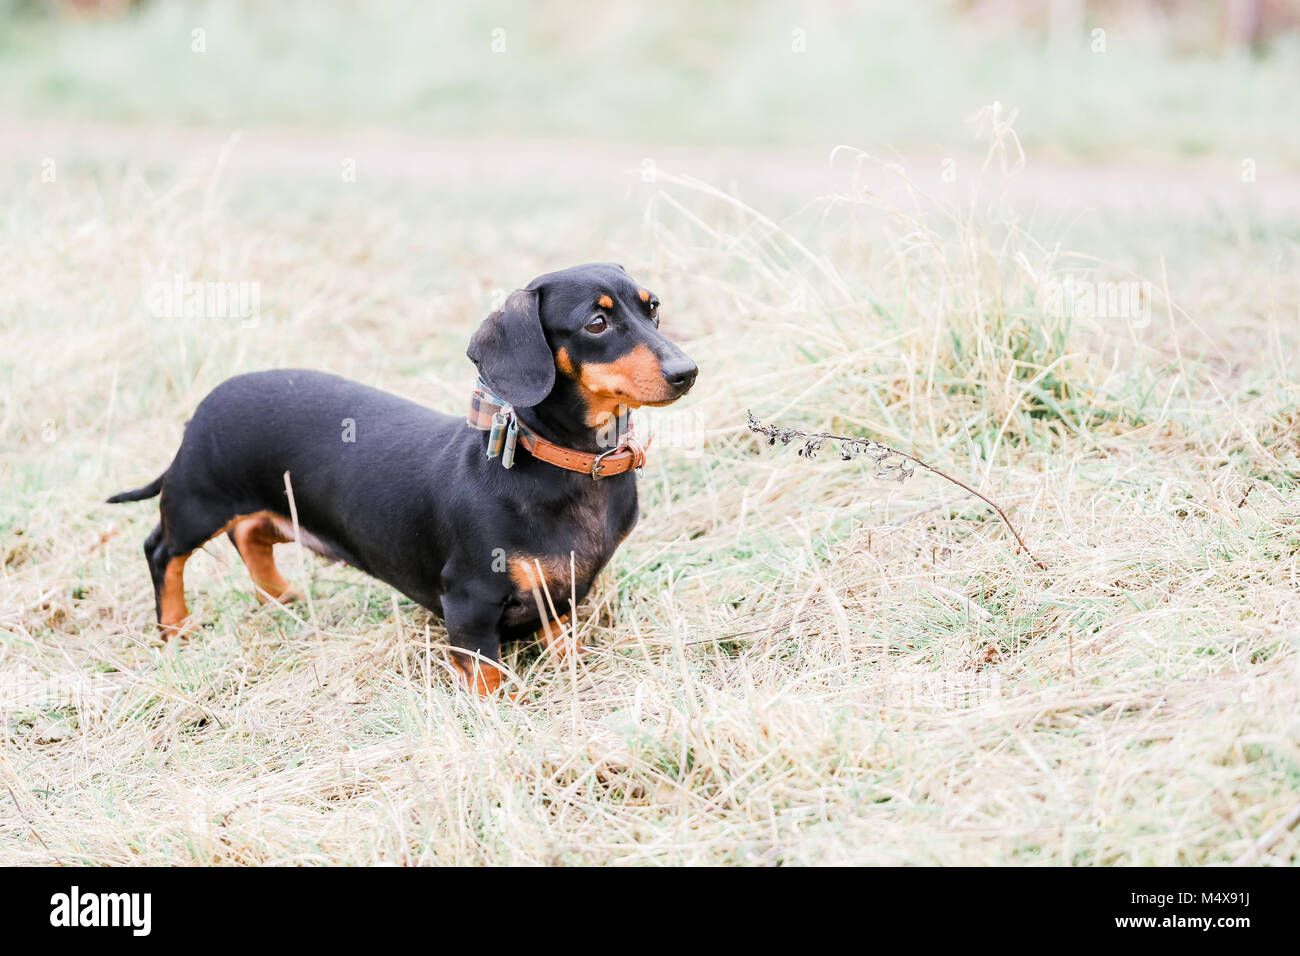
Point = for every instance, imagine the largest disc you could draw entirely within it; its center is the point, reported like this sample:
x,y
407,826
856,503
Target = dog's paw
x,y
287,596
181,630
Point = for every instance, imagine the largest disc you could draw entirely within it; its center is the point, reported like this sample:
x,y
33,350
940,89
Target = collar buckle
x,y
629,445
595,465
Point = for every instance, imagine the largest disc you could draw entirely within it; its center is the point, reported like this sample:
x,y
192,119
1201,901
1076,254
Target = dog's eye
x,y
596,324
654,312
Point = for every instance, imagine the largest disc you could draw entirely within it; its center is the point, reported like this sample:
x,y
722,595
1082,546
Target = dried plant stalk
x,y
887,468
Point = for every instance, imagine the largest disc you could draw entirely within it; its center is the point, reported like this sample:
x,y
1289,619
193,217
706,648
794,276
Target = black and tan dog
x,y
413,498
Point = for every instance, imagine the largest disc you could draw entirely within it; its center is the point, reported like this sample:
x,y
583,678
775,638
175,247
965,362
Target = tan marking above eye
x,y
643,294
605,302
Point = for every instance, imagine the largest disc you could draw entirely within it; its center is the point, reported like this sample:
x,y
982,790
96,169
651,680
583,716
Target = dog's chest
x,y
572,541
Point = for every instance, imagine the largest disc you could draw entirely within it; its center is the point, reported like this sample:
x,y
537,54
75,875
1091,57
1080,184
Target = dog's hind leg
x,y
255,537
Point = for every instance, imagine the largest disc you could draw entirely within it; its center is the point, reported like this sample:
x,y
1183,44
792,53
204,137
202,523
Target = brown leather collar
x,y
494,415
628,455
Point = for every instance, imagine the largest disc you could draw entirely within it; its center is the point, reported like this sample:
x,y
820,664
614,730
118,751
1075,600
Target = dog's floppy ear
x,y
511,353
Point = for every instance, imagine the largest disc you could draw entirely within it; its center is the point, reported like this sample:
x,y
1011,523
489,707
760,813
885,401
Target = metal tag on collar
x,y
497,434
501,438
508,448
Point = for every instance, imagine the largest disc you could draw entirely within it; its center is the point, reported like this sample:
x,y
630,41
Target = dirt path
x,y
1190,190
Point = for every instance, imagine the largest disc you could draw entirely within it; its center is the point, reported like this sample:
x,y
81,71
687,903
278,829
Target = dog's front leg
x,y
472,627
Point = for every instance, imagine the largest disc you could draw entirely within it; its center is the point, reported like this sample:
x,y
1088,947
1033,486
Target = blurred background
x,y
498,121
1165,80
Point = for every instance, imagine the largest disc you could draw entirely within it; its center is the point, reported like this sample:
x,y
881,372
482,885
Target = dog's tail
x,y
139,494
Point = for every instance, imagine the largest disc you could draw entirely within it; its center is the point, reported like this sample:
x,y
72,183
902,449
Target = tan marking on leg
x,y
554,578
477,676
558,637
554,572
174,614
255,538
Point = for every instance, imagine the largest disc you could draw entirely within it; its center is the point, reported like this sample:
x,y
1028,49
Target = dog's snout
x,y
680,373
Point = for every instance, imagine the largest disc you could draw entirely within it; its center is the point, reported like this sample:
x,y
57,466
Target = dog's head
x,y
591,330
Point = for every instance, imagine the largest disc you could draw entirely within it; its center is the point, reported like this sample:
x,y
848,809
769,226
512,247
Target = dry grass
x,y
792,663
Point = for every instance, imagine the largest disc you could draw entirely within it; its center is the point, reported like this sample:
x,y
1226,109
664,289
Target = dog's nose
x,y
680,374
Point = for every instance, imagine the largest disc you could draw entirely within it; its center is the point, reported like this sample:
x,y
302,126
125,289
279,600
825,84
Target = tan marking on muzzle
x,y
634,380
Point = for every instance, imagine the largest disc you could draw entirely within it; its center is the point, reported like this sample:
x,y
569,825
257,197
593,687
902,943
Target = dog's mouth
x,y
658,402
609,398
634,394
